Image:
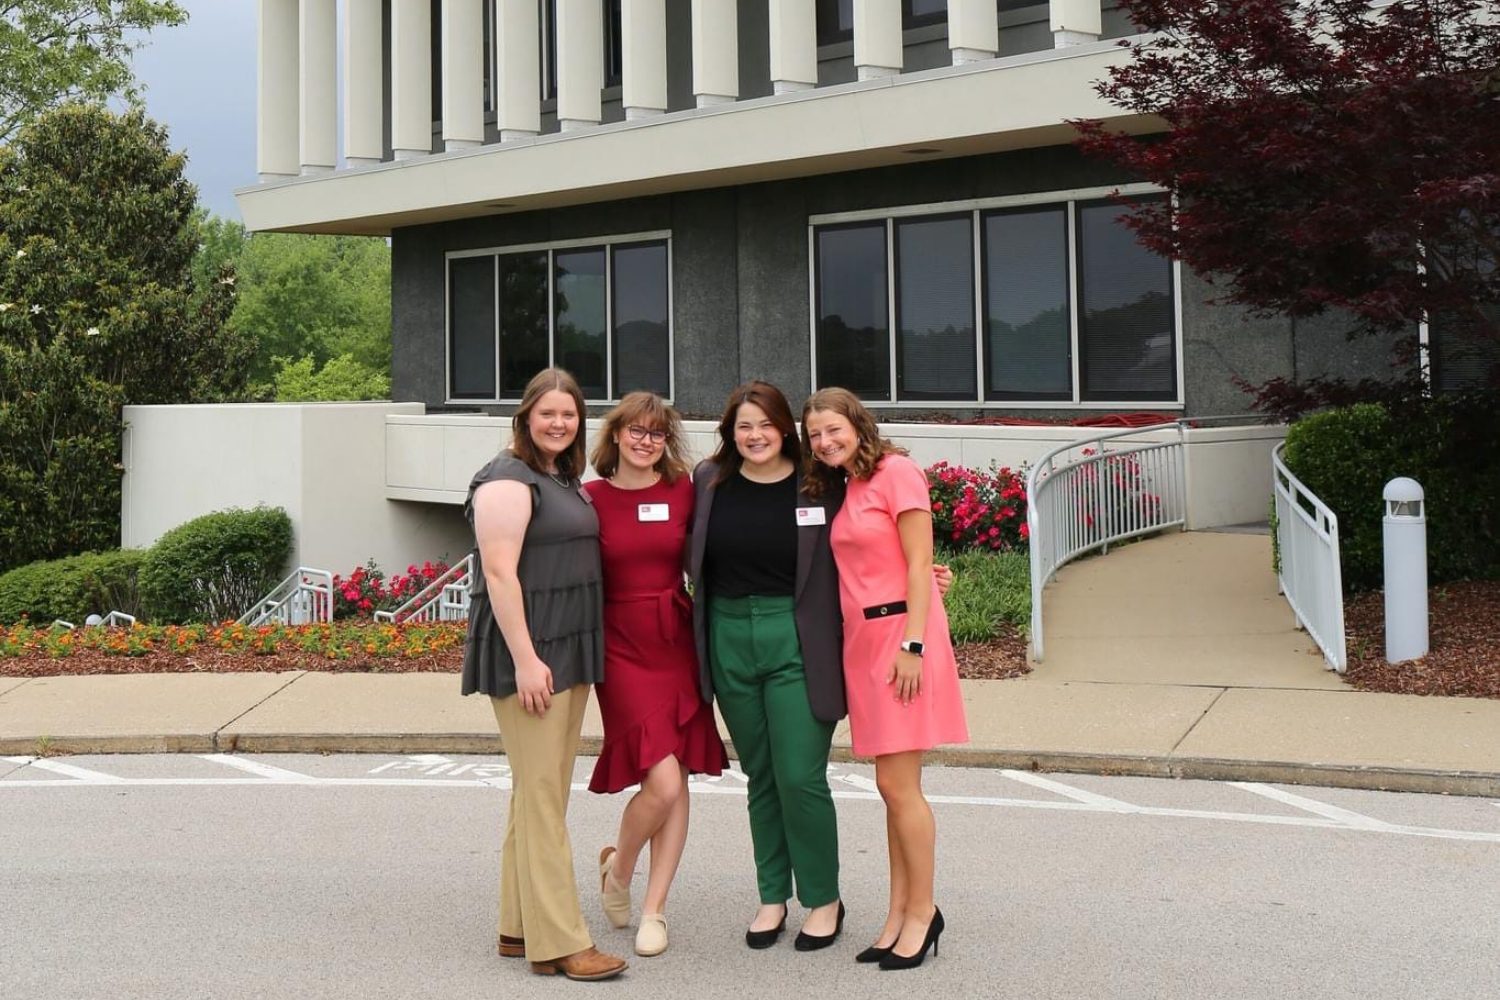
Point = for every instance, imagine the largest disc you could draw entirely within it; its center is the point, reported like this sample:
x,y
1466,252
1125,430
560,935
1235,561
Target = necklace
x,y
615,482
564,482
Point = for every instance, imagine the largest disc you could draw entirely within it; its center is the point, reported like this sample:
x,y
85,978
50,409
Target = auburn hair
x,y
570,462
818,478
770,399
652,412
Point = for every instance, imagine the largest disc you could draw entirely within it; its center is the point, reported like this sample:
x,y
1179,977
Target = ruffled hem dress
x,y
650,699
562,587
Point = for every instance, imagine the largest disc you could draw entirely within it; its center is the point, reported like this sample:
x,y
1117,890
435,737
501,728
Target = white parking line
x,y
1326,817
1076,794
71,770
256,767
1344,817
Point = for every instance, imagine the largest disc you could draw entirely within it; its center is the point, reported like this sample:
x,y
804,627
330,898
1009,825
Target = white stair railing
x,y
445,599
1307,541
1089,493
303,598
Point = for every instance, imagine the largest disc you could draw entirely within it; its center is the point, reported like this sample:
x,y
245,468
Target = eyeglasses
x,y
639,433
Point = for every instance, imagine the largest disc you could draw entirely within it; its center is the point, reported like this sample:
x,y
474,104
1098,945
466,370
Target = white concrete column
x,y
794,46
518,92
463,74
1075,22
716,52
364,102
877,38
317,86
411,78
580,63
276,73
973,30
643,87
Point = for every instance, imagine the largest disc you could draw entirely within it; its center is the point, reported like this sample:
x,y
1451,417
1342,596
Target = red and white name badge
x,y
652,512
809,516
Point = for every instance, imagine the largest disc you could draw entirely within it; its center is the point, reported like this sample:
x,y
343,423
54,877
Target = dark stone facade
x,y
740,282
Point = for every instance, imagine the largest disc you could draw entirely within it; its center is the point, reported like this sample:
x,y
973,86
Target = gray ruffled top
x,y
561,587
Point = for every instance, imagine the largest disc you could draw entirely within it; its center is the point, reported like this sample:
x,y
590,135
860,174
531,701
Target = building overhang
x,y
1016,102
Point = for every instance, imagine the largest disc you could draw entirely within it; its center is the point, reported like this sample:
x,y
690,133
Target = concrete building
x,y
683,194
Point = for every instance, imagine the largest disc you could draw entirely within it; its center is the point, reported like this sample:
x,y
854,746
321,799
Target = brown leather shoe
x,y
587,965
511,947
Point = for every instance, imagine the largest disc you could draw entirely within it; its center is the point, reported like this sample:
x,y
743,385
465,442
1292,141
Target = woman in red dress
x,y
657,727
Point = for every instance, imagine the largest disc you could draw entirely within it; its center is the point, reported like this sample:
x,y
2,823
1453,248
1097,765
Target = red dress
x,y
649,697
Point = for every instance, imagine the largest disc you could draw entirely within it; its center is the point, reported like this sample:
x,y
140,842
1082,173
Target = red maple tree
x,y
1322,154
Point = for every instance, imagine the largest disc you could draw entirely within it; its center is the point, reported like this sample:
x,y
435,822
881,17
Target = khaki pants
x,y
538,895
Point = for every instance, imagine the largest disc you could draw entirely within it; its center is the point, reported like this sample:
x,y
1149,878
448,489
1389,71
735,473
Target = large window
x,y
1461,356
1023,301
601,310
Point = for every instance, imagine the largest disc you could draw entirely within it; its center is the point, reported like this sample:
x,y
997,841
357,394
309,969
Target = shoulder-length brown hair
x,y
570,462
773,402
818,478
648,410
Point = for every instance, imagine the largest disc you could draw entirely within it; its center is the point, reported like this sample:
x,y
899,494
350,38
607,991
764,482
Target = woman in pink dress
x,y
900,673
657,727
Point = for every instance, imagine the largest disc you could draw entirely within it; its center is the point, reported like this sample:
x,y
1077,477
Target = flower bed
x,y
982,509
27,651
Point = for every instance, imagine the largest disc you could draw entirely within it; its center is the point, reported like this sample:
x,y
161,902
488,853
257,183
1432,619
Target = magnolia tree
x,y
1322,155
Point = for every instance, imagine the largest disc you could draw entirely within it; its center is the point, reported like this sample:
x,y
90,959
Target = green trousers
x,y
758,677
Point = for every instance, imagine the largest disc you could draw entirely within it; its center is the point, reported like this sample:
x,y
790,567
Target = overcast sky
x,y
200,83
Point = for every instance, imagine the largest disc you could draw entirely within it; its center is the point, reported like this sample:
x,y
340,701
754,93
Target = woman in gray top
x,y
535,644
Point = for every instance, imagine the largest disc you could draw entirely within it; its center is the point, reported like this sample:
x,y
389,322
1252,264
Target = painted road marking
x,y
1068,791
71,770
1343,816
1326,817
256,767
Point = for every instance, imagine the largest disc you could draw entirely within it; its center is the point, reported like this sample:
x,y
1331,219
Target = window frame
x,y
550,247
1068,199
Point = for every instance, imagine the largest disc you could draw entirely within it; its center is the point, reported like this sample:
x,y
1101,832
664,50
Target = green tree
x,y
98,308
341,378
54,50
315,296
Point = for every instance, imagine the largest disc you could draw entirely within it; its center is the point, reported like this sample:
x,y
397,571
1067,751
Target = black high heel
x,y
896,960
813,942
764,939
872,954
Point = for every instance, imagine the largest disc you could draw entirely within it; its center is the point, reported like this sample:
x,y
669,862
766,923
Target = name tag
x,y
808,516
652,511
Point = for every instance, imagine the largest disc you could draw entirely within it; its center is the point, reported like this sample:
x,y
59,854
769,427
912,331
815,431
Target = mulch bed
x,y
1464,636
1001,657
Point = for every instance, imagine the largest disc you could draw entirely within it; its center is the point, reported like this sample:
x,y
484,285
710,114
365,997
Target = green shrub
x,y
72,588
988,588
203,570
1449,444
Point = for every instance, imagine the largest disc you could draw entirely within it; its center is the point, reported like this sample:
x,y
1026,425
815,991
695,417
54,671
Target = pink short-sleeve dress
x,y
872,573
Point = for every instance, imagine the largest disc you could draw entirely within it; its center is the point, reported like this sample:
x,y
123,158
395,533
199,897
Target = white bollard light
x,y
1405,543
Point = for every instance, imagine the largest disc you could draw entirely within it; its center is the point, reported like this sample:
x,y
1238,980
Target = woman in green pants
x,y
768,626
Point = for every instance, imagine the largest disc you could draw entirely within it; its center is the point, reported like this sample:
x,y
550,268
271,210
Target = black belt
x,y
884,610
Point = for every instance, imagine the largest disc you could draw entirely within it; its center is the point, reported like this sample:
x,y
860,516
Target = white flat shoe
x,y
651,938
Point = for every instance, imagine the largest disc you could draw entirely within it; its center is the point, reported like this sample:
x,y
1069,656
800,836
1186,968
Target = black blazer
x,y
820,621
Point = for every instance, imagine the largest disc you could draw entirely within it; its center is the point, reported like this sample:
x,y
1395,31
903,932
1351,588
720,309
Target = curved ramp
x,y
1184,608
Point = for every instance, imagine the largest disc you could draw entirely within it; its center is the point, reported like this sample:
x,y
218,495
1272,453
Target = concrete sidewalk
x,y
1170,657
1338,738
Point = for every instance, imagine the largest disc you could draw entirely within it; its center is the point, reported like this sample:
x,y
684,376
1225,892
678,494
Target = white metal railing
x,y
1307,542
303,598
445,599
1089,493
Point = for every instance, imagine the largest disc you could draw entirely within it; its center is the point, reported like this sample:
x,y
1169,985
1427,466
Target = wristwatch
x,y
913,646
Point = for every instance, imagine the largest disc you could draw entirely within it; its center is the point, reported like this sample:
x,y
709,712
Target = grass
x,y
989,590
